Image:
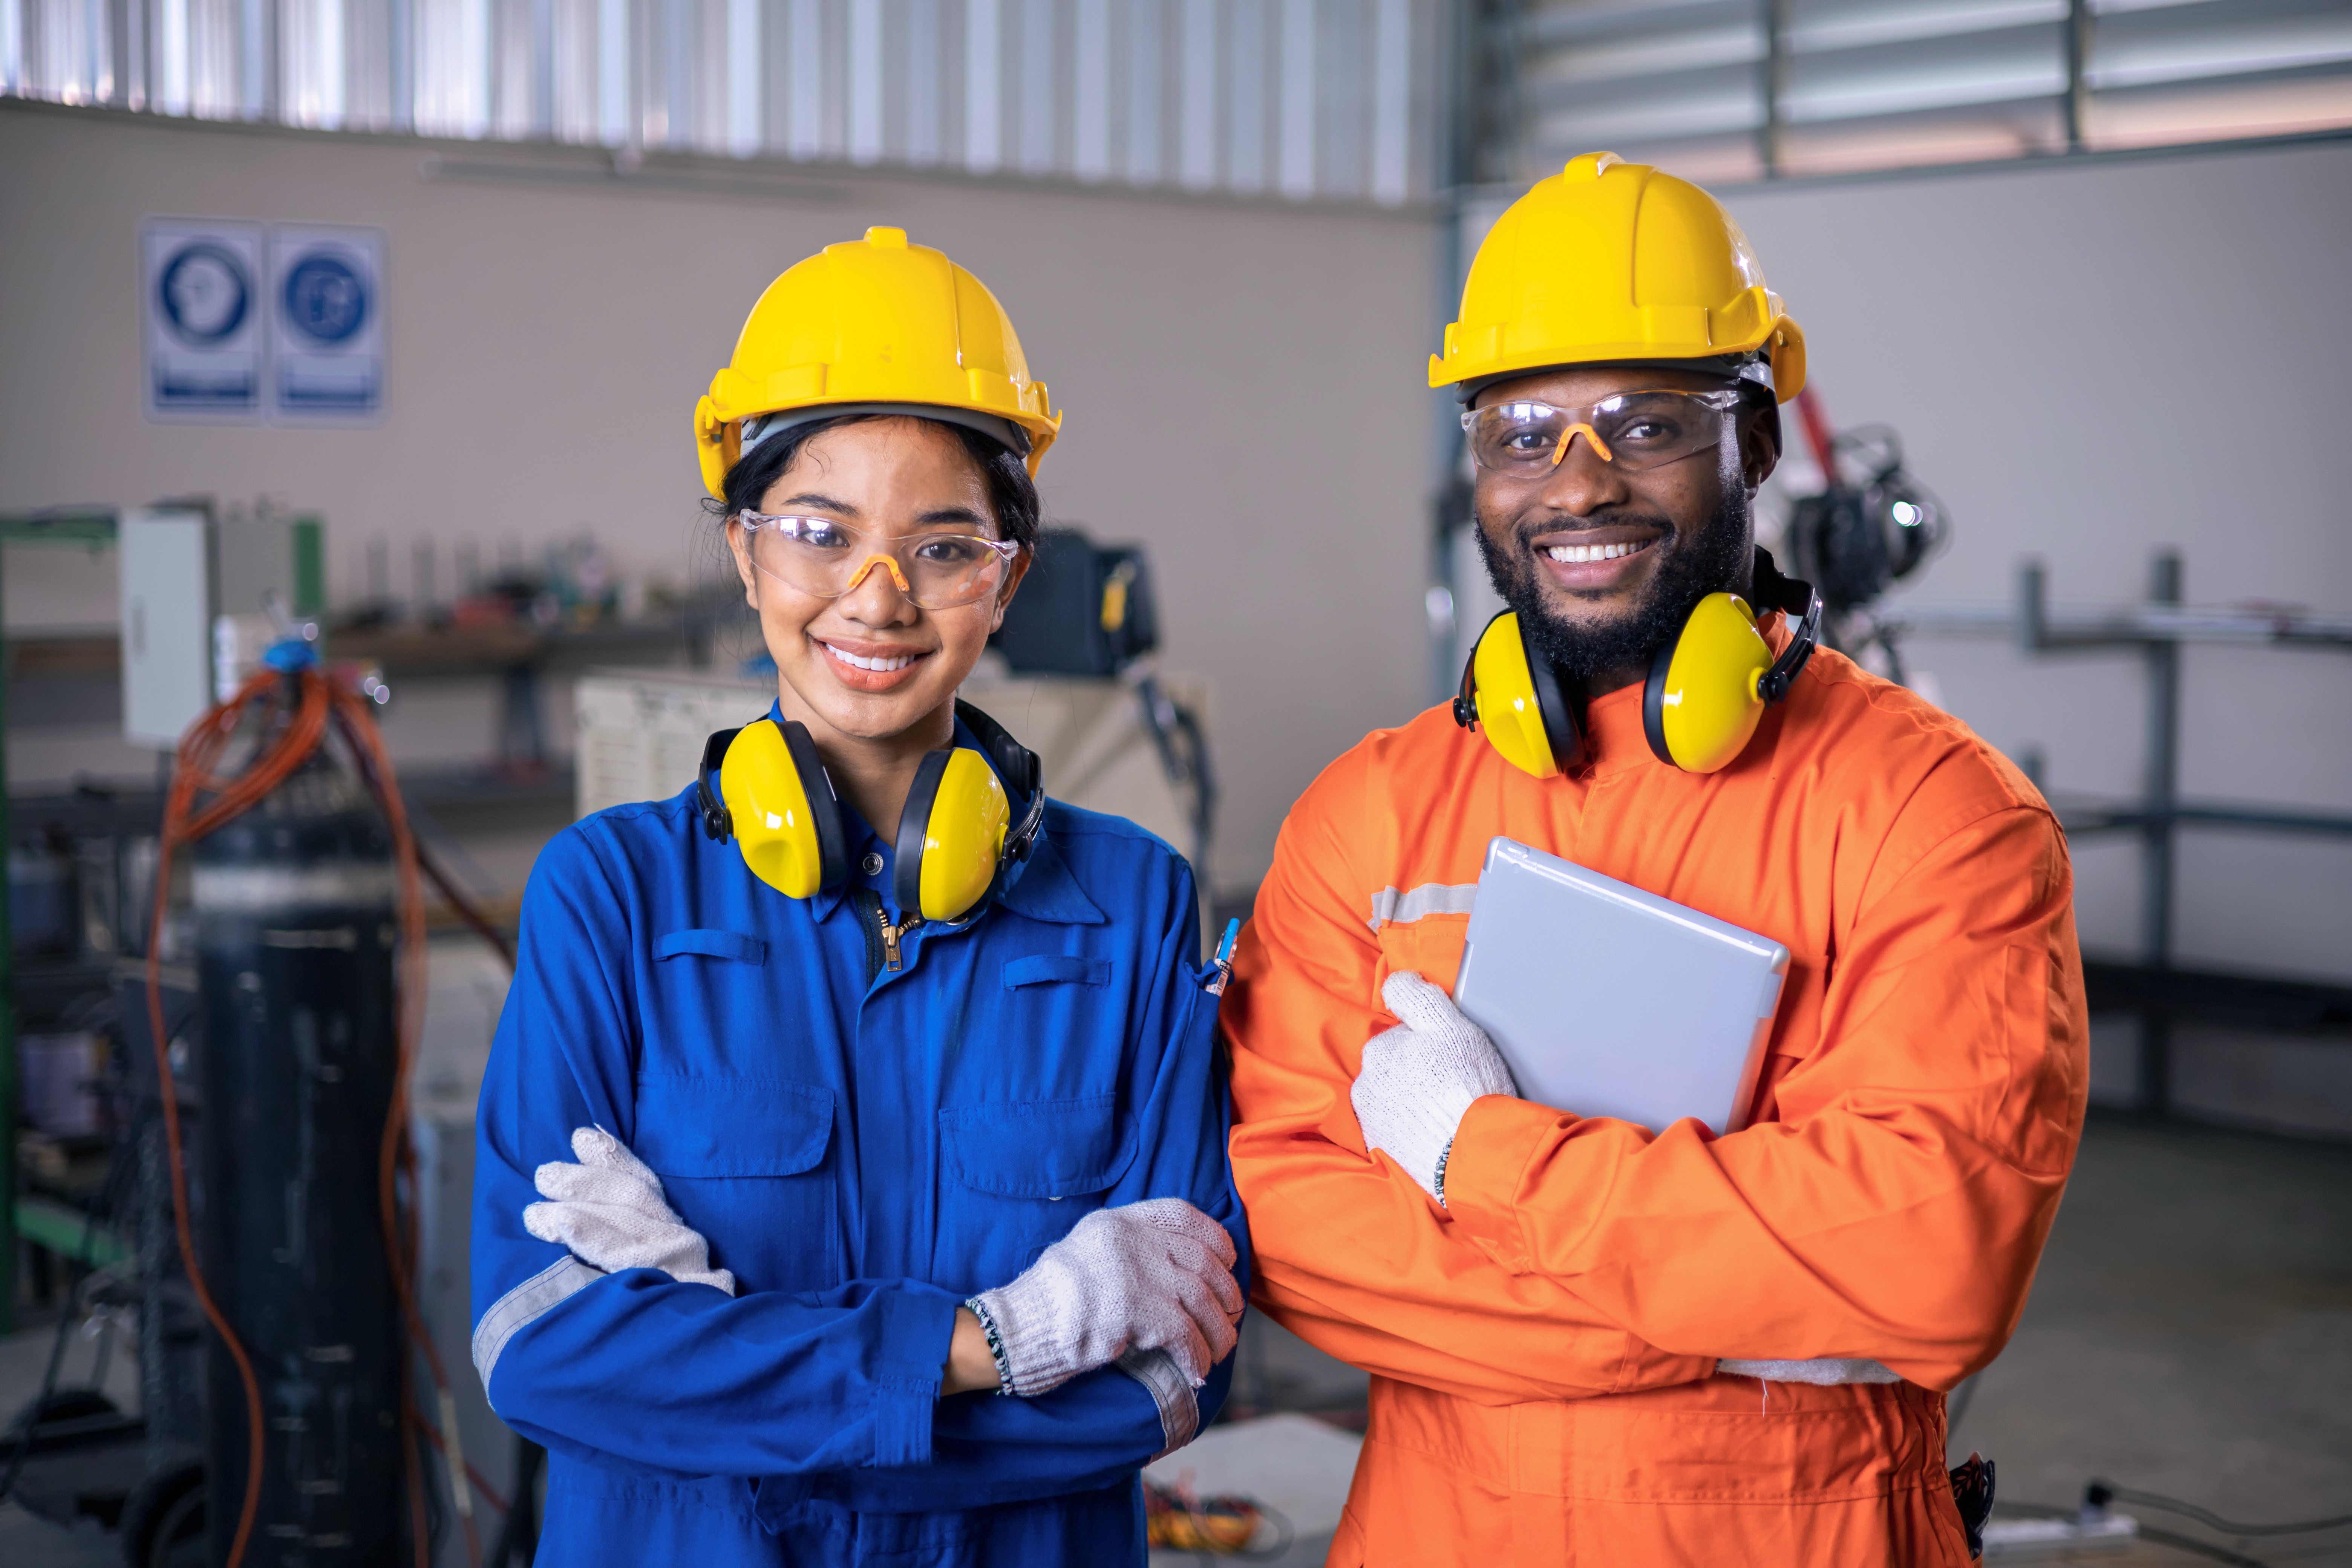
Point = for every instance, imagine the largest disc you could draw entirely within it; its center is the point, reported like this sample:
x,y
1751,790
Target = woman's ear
x,y
739,546
1019,570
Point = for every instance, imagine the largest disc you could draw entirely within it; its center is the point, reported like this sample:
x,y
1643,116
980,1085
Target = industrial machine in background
x,y
252,976
1871,527
1087,611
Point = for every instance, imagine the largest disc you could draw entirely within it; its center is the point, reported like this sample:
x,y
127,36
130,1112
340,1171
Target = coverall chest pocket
x,y
1016,1176
743,1161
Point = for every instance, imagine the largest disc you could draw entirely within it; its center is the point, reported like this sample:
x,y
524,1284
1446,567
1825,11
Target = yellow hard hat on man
x,y
875,325
1614,263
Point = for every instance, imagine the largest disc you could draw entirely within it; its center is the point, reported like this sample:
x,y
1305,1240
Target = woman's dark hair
x,y
1012,493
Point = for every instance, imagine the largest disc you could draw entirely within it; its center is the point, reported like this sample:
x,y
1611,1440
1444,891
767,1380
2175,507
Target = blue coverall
x,y
864,1147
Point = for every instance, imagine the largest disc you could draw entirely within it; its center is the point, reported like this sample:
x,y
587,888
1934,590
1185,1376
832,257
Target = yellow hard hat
x,y
874,322
1614,262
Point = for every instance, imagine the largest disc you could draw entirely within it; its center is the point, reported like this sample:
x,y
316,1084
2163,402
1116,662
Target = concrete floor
x,y
2190,1332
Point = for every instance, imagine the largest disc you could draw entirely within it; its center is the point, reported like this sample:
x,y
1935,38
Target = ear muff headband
x,y
1707,690
774,799
765,786
1517,701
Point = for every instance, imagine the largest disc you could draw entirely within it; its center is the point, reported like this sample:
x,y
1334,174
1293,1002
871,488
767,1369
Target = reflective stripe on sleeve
x,y
1390,907
526,1304
1180,1412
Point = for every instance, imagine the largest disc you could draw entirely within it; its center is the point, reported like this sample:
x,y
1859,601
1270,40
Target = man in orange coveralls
x,y
1594,1342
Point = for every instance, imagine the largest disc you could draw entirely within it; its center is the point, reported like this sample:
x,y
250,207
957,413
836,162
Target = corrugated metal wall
x,y
1305,99
1737,89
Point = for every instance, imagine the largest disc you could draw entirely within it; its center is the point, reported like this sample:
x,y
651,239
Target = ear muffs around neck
x,y
765,788
1708,689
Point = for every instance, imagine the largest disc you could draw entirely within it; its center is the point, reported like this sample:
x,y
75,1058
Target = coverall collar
x,y
1042,887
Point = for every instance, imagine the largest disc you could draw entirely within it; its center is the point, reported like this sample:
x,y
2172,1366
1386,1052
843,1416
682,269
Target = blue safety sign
x,y
203,307
327,343
326,298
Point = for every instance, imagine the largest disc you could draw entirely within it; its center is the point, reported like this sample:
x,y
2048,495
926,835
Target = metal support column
x,y
8,1075
2161,792
1770,129
2078,65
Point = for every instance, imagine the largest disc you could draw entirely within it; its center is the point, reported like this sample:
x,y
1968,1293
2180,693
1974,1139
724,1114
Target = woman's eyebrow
x,y
963,514
821,503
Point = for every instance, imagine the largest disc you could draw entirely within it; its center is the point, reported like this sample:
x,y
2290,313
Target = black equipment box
x,y
1084,610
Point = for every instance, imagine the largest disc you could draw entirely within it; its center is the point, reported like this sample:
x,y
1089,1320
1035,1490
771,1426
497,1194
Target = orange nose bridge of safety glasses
x,y
1560,453
867,566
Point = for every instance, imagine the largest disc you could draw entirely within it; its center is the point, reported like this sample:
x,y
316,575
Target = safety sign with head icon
x,y
205,320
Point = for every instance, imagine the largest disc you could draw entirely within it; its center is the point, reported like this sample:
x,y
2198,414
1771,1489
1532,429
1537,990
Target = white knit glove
x,y
1156,1275
1419,1077
1822,1370
609,1210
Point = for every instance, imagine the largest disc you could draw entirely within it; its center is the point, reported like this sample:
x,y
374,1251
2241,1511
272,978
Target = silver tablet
x,y
1609,1001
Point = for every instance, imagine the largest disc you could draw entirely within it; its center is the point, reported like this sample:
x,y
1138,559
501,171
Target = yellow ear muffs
x,y
1708,688
765,786
1517,701
772,796
1702,702
951,836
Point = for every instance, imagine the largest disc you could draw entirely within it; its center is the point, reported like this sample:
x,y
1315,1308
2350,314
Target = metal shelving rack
x,y
2154,989
89,528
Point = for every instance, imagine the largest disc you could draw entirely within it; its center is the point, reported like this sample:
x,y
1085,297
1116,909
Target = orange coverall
x,y
1543,1350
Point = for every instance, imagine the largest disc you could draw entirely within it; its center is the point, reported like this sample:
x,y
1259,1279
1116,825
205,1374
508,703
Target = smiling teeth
x,y
855,662
1590,551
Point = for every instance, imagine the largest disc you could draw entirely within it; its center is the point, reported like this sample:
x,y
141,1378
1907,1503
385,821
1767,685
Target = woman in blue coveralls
x,y
851,1179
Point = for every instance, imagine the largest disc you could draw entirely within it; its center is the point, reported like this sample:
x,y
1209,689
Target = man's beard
x,y
1712,558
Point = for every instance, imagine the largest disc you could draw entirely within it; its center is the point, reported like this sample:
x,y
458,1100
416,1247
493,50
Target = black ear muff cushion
x,y
824,811
914,825
1653,701
716,824
1559,716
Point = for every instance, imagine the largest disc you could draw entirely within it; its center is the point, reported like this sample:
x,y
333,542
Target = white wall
x,y
2087,360
1242,381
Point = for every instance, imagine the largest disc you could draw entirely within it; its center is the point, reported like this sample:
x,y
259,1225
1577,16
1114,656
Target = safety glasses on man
x,y
827,558
1631,429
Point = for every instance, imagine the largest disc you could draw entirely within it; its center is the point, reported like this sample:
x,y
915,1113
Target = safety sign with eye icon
x,y
328,338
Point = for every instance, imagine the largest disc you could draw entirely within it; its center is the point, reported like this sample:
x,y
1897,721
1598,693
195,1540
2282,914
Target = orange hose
x,y
199,750
408,1027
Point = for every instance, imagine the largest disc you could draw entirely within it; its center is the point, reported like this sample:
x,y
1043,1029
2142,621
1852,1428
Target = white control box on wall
x,y
166,560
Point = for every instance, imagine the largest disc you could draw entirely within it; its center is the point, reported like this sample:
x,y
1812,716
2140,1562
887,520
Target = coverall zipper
x,y
881,937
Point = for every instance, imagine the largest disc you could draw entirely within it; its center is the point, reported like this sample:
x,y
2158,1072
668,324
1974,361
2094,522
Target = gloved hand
x,y
1420,1076
1822,1370
609,1210
1156,1275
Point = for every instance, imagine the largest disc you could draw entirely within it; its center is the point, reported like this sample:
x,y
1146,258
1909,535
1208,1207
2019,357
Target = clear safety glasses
x,y
827,558
1633,430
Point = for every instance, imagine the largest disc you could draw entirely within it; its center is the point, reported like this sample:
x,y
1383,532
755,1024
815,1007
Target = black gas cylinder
x,y
295,941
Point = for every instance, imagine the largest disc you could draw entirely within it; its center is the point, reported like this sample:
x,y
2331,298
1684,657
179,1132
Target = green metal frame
x,y
29,1219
